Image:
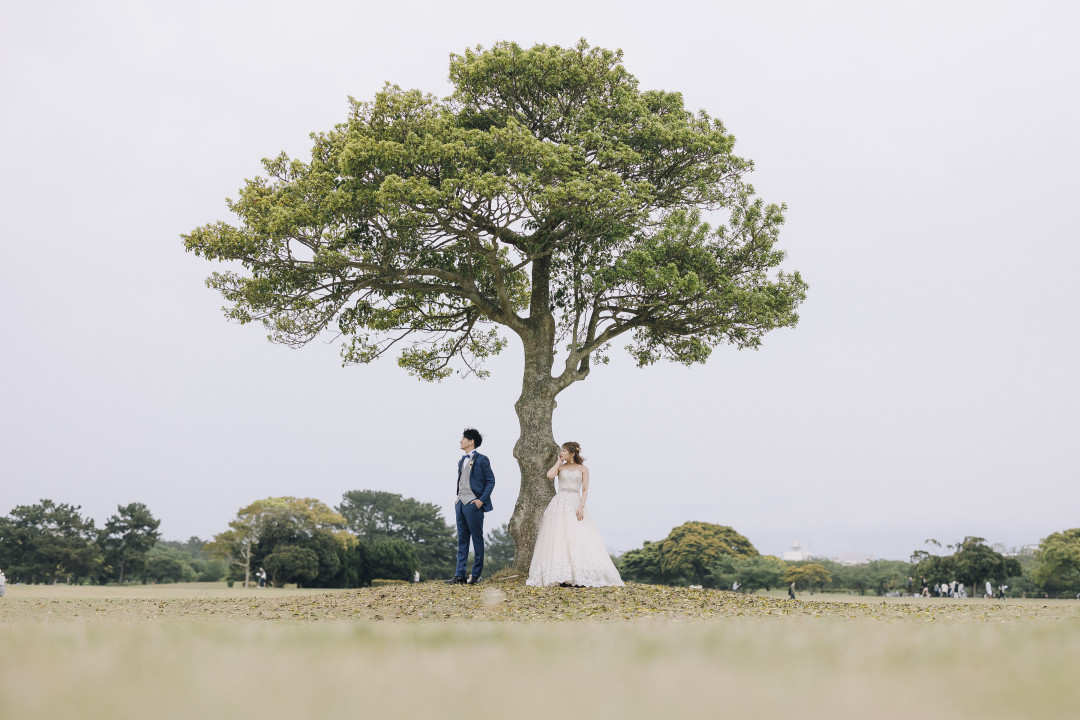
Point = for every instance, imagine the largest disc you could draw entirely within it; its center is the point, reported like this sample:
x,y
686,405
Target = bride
x,y
569,550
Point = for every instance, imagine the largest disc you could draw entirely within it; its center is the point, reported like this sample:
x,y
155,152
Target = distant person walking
x,y
989,590
2,581
261,576
791,590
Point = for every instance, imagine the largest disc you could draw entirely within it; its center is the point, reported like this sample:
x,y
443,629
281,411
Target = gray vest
x,y
464,489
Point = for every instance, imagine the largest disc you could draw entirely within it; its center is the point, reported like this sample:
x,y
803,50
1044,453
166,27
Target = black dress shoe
x,y
474,581
456,581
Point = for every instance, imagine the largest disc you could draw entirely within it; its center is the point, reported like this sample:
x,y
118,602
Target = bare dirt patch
x,y
494,602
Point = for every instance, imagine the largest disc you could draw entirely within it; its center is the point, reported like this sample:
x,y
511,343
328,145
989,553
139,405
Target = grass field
x,y
509,651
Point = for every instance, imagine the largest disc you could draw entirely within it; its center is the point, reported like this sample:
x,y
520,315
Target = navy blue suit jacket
x,y
481,480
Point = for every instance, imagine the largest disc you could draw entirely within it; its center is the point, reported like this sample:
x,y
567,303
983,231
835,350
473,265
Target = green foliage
x,y
549,197
642,565
755,572
1058,561
46,542
932,568
289,520
374,516
166,564
812,576
548,180
687,556
689,553
975,563
279,531
876,577
206,567
1025,585
291,564
972,563
127,538
392,560
498,550
353,566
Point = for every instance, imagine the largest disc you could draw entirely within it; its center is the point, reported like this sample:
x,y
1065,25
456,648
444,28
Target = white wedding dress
x,y
569,550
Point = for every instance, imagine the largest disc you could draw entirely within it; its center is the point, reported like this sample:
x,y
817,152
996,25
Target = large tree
x,y
931,567
548,197
809,575
1058,559
688,555
242,544
374,515
689,552
972,563
128,537
975,562
45,542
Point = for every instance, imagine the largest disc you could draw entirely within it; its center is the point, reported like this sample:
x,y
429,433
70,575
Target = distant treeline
x,y
379,535
716,556
371,535
50,542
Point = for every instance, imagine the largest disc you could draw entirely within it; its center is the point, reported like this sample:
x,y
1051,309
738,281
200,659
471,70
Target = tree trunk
x,y
535,449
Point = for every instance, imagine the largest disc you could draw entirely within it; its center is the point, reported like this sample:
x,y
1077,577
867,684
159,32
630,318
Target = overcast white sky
x,y
927,151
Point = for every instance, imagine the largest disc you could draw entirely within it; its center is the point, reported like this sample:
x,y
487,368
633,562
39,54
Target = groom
x,y
475,481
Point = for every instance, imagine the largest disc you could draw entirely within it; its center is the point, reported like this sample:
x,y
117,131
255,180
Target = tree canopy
x,y
809,575
691,550
688,555
642,565
420,216
972,563
128,537
285,519
1058,559
374,516
975,562
48,541
753,572
548,197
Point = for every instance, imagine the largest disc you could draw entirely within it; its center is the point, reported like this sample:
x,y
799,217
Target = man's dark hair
x,y
474,435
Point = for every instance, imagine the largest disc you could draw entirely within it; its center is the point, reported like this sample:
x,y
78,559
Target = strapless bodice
x,y
568,548
570,481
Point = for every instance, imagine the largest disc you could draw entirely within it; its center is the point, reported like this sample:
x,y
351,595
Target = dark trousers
x,y
470,524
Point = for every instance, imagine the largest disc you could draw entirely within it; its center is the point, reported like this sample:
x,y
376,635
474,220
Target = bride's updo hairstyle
x,y
574,449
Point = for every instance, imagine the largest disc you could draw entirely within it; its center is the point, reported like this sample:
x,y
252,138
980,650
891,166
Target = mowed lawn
x,y
508,651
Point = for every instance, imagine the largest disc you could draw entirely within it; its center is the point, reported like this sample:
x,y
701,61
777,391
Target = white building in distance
x,y
796,553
